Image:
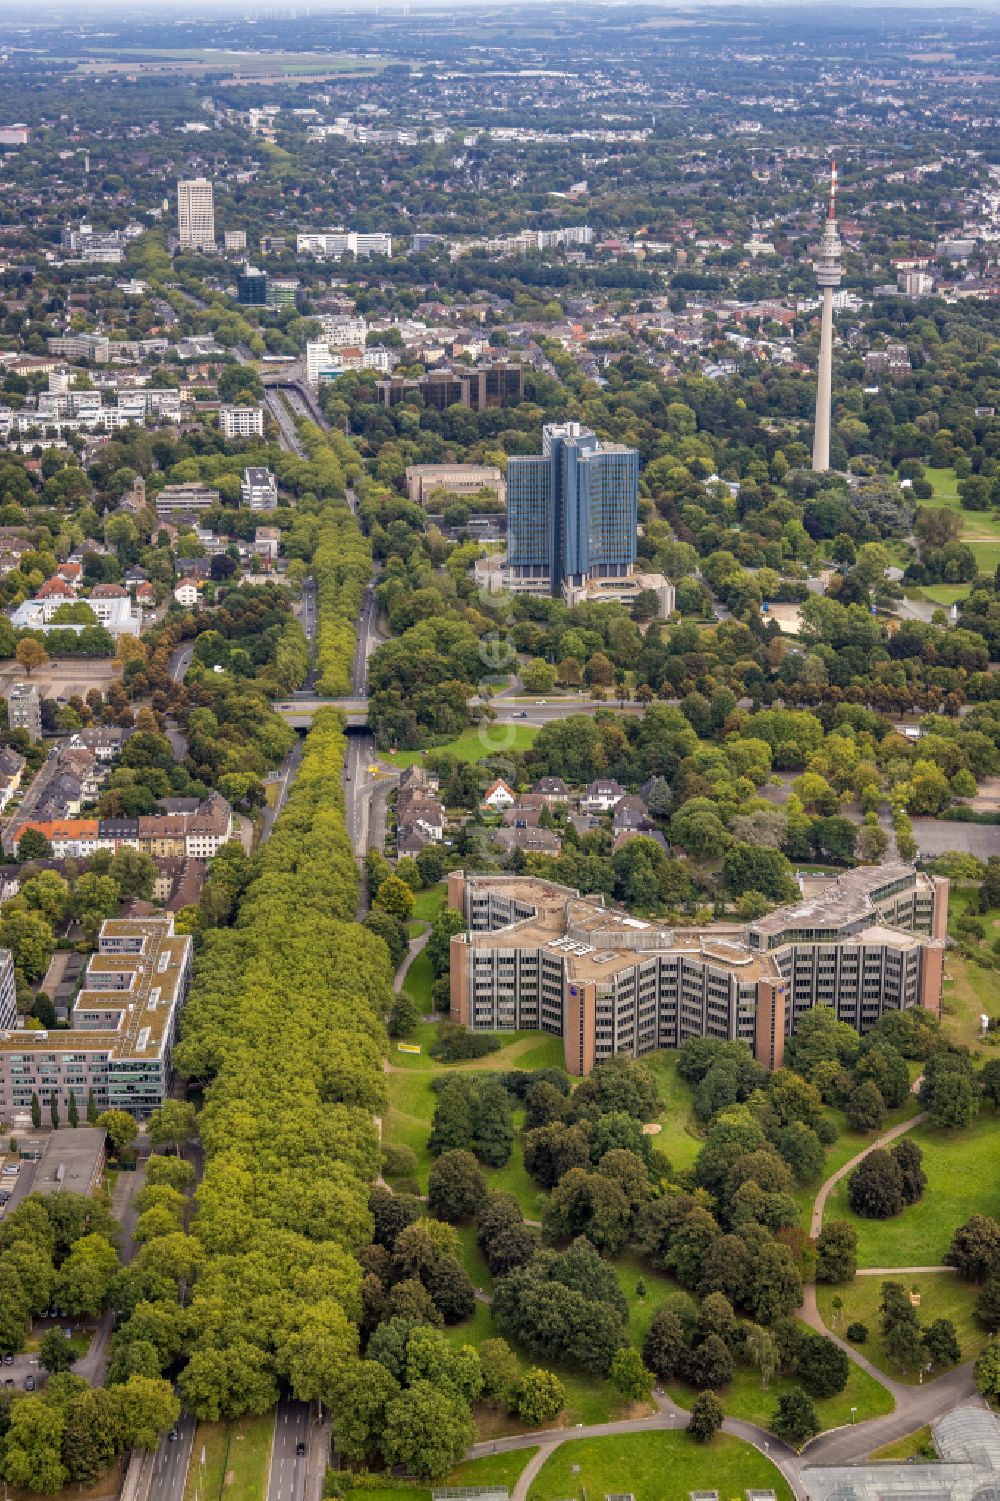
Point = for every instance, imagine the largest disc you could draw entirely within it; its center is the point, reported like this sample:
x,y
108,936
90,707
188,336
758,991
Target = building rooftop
x,y
153,982
847,898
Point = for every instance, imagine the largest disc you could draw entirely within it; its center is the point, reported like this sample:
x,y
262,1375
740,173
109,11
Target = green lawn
x,y
237,1460
847,1145
943,483
917,1443
969,988
942,1296
494,1469
412,1101
631,1270
428,903
943,594
471,745
418,982
745,1398
642,1462
962,1179
982,526
680,1137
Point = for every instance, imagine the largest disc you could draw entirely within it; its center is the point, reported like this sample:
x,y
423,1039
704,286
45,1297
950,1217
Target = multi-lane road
x,y
171,1461
287,1479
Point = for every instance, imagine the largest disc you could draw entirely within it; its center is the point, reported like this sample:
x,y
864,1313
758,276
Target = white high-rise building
x,y
196,213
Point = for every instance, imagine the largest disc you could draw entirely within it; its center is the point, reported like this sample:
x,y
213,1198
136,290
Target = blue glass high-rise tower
x,y
572,513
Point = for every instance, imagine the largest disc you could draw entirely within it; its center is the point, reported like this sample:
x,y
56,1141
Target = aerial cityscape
x,y
500,752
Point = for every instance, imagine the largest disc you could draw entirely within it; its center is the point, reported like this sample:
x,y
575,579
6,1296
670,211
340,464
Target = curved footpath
x,y
416,945
915,1405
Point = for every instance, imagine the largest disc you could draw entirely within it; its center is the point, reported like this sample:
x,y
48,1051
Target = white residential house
x,y
186,592
601,796
499,795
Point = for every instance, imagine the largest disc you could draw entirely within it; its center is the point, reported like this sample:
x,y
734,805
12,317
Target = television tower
x,y
828,273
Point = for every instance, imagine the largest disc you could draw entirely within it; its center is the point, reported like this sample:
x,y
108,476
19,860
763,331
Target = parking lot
x,y
938,837
18,1187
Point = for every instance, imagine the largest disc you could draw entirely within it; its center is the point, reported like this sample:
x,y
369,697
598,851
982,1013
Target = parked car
x,y
29,1384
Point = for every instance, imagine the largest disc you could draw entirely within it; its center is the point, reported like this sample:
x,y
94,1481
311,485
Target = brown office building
x,y
539,955
488,386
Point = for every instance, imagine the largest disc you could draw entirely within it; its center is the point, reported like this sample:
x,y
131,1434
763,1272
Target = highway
x,y
287,436
170,1466
365,796
286,1481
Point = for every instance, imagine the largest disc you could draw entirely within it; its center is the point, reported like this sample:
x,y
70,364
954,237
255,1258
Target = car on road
x,y
520,714
300,1447
347,776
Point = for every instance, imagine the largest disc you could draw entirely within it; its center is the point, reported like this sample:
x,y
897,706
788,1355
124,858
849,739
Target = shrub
x,y
857,1333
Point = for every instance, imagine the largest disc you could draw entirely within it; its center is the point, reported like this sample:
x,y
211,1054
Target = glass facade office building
x,y
572,513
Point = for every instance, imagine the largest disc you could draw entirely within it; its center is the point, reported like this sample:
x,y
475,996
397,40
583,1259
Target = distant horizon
x,y
21,14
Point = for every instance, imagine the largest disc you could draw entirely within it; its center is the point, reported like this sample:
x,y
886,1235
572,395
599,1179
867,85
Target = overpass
x,y
298,712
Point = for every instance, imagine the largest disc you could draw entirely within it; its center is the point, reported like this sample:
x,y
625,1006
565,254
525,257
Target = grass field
x,y
412,1100
847,1145
418,982
969,989
680,1137
211,59
471,746
980,529
237,1460
641,1462
941,594
962,1179
428,903
942,1296
494,1469
914,1444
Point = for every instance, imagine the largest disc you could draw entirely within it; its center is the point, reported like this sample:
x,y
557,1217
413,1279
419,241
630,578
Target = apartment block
x,y
259,489
538,955
176,502
196,835
335,243
123,1026
195,214
24,710
96,347
241,422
